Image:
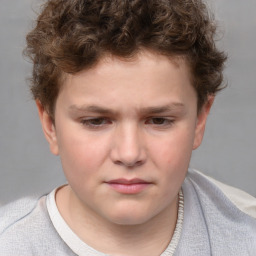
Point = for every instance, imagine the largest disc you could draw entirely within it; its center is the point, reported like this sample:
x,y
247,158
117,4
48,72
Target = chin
x,y
130,217
129,221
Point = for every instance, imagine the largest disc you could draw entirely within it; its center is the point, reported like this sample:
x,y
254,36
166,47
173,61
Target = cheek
x,y
174,151
172,157
81,155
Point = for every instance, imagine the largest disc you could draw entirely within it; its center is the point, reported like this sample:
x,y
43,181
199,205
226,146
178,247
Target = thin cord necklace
x,y
177,232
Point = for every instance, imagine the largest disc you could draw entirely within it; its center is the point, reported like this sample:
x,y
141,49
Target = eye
x,y
95,123
160,121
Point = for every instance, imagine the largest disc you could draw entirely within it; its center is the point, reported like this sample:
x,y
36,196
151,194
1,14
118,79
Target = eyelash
x,y
91,122
164,122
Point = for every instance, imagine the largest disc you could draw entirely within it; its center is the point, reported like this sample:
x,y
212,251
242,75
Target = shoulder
x,y
20,223
26,228
223,216
222,192
16,212
218,219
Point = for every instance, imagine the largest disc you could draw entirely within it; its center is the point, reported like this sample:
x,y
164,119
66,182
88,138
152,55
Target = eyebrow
x,y
163,109
91,108
147,110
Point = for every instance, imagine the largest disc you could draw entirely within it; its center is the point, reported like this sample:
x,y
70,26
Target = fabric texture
x,y
215,223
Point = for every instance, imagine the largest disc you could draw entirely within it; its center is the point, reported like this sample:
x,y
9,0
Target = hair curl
x,y
71,35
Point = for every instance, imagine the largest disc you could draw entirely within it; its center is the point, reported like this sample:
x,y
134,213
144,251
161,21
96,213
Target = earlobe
x,y
201,122
48,128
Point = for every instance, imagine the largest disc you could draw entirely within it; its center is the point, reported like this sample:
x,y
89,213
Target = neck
x,y
150,238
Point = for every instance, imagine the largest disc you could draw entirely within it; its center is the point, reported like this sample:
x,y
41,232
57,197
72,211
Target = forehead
x,y
137,80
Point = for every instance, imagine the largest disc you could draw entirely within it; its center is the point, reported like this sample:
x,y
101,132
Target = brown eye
x,y
95,122
158,120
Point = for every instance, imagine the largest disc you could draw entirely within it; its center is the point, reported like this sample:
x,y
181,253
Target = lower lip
x,y
129,188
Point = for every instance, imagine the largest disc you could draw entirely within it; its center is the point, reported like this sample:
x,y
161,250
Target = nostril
x,y
129,164
118,162
138,163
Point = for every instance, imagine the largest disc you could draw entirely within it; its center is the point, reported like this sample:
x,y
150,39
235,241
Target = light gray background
x,y
228,152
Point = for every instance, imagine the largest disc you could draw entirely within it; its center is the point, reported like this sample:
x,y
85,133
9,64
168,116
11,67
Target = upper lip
x,y
128,181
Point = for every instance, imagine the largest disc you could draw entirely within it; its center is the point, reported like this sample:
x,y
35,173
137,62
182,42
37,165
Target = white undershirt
x,y
70,238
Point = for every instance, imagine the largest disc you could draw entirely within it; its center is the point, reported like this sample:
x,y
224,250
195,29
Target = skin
x,y
129,119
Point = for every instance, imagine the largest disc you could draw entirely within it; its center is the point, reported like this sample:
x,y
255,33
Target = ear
x,y
201,122
48,128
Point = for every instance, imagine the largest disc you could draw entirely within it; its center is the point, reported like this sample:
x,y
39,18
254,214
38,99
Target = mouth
x,y
126,186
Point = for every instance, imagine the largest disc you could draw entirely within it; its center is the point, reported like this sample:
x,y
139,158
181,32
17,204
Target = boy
x,y
123,89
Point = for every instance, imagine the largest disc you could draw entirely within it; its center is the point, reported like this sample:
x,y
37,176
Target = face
x,y
125,130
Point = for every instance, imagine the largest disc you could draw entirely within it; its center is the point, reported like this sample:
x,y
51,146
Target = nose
x,y
128,146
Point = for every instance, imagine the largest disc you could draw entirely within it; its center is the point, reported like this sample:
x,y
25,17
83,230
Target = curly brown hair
x,y
72,35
